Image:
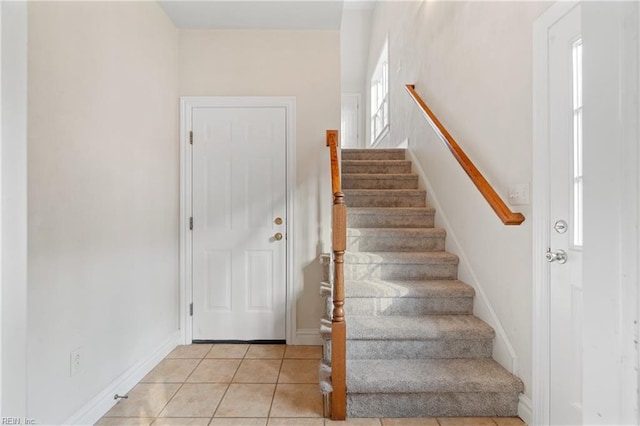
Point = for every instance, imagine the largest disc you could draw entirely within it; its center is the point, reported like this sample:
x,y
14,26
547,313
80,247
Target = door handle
x,y
559,256
278,236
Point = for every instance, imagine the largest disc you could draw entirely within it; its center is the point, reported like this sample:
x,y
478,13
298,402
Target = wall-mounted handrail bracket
x,y
505,214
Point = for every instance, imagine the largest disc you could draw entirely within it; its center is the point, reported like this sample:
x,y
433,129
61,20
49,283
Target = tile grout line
x,y
183,383
228,386
275,388
179,388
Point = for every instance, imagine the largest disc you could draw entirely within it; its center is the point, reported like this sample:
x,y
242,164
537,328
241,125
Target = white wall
x,y
304,64
102,195
472,64
355,31
13,294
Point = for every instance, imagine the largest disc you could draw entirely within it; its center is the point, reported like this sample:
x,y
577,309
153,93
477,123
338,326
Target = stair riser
x,y
409,306
326,352
419,349
400,167
389,220
400,243
351,182
458,404
372,154
400,271
385,200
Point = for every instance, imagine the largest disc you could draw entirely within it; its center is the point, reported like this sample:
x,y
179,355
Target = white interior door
x,y
565,213
239,207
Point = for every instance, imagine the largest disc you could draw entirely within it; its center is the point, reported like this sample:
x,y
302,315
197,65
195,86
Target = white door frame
x,y
541,354
187,103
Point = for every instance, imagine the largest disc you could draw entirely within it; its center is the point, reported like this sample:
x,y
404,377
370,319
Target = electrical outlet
x,y
76,359
519,194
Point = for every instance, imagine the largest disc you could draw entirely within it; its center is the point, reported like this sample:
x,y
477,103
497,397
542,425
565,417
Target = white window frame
x,y
379,89
577,187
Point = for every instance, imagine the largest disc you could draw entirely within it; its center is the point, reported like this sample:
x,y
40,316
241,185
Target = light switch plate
x,y
519,194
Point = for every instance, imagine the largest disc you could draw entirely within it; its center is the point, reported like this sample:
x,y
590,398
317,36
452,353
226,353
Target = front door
x,y
565,214
239,207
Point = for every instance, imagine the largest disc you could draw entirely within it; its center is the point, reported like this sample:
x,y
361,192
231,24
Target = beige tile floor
x,y
245,385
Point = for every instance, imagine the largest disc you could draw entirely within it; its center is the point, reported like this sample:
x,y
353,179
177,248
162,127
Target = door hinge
x,y
191,137
191,309
191,223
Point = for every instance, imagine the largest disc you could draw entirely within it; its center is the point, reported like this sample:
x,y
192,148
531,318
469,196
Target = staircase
x,y
414,348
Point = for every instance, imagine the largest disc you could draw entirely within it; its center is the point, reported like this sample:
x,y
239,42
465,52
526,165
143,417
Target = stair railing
x,y
497,204
338,324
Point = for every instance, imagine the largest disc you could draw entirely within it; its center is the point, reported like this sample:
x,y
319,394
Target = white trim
x,y
524,409
92,411
308,336
503,349
13,156
187,103
540,213
383,61
629,216
637,248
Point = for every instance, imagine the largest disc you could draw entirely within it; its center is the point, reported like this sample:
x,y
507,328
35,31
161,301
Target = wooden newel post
x,y
338,325
339,328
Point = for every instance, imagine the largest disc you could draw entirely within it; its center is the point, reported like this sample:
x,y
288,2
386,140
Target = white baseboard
x,y
503,353
101,403
525,409
308,336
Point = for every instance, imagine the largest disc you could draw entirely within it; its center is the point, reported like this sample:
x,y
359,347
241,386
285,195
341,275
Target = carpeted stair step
x,y
380,297
402,266
373,154
430,388
412,337
379,181
375,166
395,239
390,217
385,197
414,348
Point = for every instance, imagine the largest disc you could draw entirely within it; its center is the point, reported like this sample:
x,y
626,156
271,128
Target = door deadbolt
x,y
278,221
561,227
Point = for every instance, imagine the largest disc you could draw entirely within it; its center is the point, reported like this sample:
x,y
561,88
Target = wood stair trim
x,y
338,325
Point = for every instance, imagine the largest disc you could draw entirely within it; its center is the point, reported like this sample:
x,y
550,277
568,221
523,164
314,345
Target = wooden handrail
x,y
338,324
332,143
504,213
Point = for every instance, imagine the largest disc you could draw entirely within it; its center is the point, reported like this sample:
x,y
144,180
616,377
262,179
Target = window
x,y
380,96
577,204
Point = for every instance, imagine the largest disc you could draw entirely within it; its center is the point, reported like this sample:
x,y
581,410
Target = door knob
x,y
278,236
559,256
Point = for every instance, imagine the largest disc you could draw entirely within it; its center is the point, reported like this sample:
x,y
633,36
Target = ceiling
x,y
255,14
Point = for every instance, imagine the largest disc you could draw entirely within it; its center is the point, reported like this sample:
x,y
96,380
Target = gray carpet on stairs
x,y
414,348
